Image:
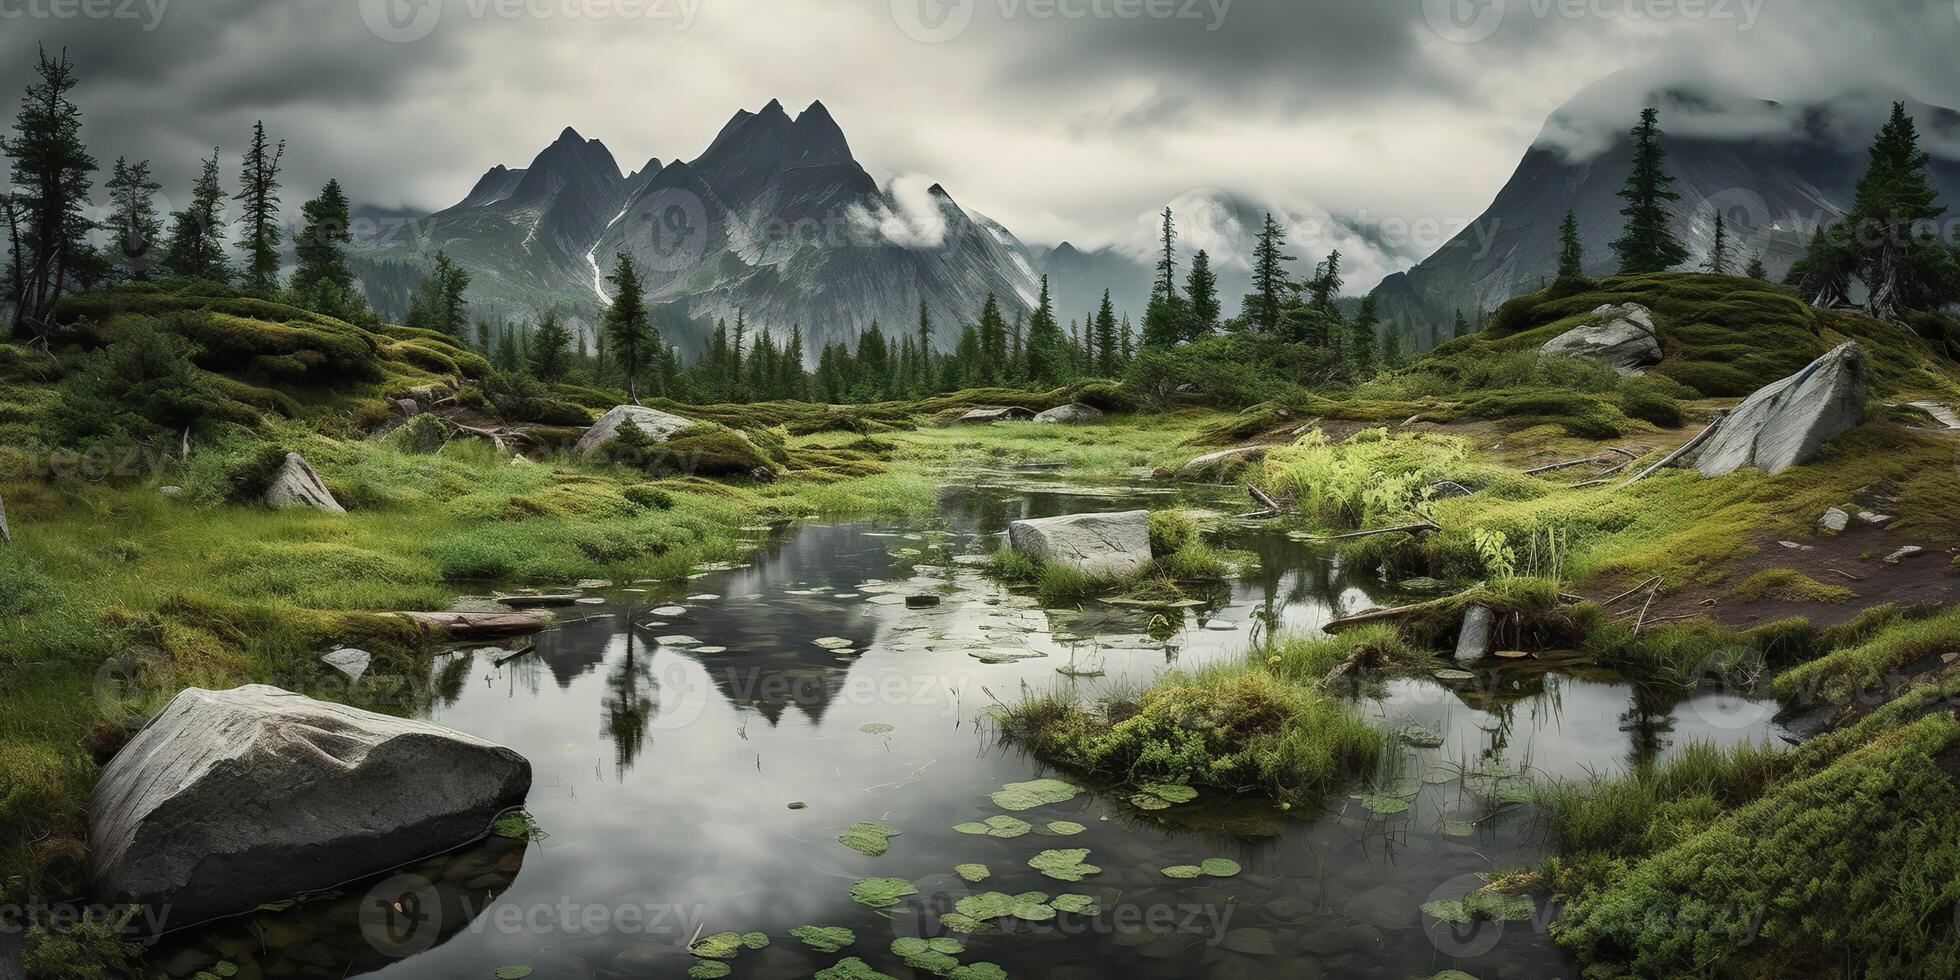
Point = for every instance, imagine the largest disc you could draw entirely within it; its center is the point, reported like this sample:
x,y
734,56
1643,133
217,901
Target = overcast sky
x,y
1063,119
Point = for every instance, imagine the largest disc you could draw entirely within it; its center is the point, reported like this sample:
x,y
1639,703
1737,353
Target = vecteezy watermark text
x,y
404,21
936,21
1470,21
148,14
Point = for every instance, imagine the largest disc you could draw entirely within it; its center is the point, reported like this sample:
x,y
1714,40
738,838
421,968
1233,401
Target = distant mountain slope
x,y
775,219
1773,189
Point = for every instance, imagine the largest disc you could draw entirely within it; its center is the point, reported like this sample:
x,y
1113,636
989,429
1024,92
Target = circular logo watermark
x,y
401,916
678,221
1465,21
936,21
401,21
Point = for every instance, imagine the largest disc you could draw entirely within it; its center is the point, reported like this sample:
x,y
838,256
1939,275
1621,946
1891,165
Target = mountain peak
x,y
774,108
570,135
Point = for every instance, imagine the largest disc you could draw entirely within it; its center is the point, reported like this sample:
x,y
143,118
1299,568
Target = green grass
x,y
1852,669
1788,585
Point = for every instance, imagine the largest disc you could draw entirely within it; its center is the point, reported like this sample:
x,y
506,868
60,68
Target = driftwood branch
x,y
1265,499
1352,535
1376,616
6,536
1566,465
1636,590
1688,447
478,626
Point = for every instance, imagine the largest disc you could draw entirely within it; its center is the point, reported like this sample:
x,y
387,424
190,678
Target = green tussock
x,y
1788,585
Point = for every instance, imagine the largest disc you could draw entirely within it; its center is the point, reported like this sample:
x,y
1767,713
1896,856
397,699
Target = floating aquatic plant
x,y
1076,904
1064,865
824,939
1162,796
1219,867
1065,828
1001,825
972,872
879,893
877,728
869,839
1183,871
850,968
1039,792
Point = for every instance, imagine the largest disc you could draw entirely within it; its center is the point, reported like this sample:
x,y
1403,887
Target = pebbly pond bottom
x,y
698,752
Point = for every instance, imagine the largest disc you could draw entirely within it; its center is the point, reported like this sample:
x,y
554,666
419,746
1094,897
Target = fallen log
x,y
1264,499
6,536
1377,616
478,626
538,601
1685,449
1352,535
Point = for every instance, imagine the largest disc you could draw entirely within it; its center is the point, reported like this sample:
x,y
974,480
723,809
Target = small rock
x,y
1473,640
1871,518
1793,546
1909,551
1620,337
1834,521
297,485
1070,415
171,491
349,661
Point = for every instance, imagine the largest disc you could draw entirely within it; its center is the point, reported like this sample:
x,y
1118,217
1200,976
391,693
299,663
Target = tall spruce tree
x,y
1166,287
1648,245
1571,254
991,367
1718,253
51,175
1202,288
326,230
197,233
1363,354
550,353
1046,347
627,330
1756,268
1270,281
1109,358
135,231
259,194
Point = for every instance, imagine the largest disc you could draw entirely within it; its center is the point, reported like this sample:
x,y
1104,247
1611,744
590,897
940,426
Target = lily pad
x,y
869,839
513,972
720,946
1076,904
1382,803
1458,828
972,872
1455,676
1451,912
962,923
1064,865
833,643
1219,867
1419,736
1162,796
986,906
709,970
930,955
824,939
1183,871
978,971
1001,825
879,893
850,968
877,728
1039,792
1065,828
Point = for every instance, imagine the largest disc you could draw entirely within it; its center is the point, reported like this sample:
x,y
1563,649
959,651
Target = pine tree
x,y
507,359
1166,287
992,366
550,348
1270,281
1647,245
873,363
1202,288
627,329
1363,356
795,384
259,193
1756,268
1108,357
1129,340
134,229
51,176
1045,344
1571,254
197,233
318,244
1461,328
923,381
737,350
1718,254
1886,241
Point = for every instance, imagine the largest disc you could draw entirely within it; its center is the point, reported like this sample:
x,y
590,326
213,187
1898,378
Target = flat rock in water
x,y
1097,545
659,426
1621,337
1788,423
1217,464
1070,415
228,800
297,485
349,661
1473,640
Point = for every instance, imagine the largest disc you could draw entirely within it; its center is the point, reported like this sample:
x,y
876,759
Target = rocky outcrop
x,y
1787,423
1621,337
1070,415
1473,640
984,416
659,426
228,800
1221,464
1097,545
296,485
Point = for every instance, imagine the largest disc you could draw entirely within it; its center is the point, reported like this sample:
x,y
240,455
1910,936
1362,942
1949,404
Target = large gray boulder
x,y
1621,337
1220,464
1070,415
1097,545
657,424
1787,423
296,485
228,800
1473,639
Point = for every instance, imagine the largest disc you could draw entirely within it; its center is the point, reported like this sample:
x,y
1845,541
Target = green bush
x,y
140,391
